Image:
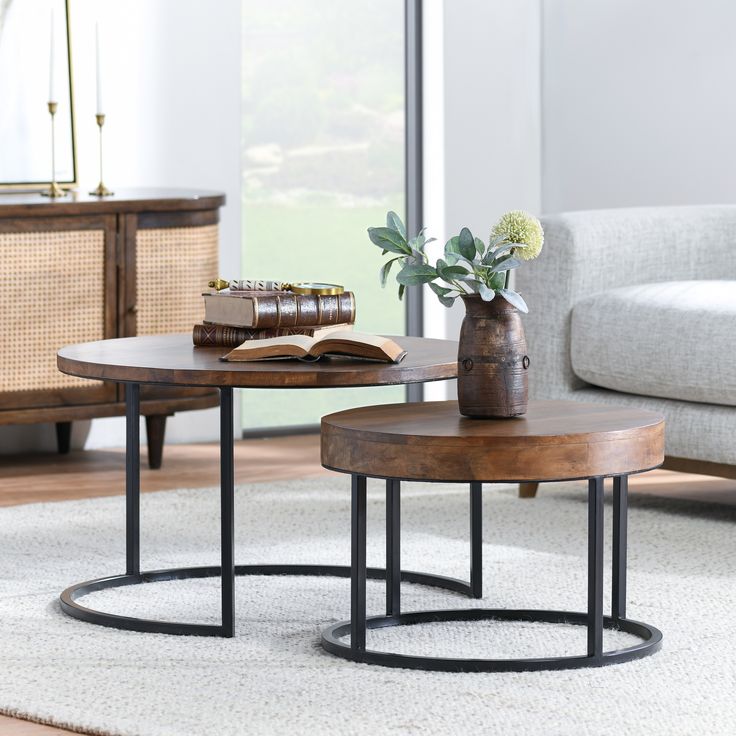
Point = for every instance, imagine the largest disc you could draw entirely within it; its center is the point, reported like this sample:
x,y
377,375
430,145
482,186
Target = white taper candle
x,y
52,55
100,107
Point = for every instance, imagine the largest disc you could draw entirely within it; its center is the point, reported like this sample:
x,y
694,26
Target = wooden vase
x,y
492,360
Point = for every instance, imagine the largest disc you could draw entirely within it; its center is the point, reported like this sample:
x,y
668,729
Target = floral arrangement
x,y
469,266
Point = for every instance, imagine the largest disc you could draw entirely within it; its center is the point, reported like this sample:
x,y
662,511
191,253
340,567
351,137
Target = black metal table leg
x,y
476,539
334,637
595,567
132,479
227,570
618,578
358,567
393,547
227,510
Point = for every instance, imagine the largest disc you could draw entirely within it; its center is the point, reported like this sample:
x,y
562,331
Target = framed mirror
x,y
35,64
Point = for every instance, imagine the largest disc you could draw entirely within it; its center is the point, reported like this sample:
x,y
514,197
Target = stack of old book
x,y
264,325
233,317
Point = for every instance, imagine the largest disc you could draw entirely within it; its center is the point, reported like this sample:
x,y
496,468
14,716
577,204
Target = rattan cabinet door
x,y
169,259
173,266
57,286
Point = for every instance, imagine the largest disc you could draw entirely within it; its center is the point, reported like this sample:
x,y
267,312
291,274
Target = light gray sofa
x,y
637,307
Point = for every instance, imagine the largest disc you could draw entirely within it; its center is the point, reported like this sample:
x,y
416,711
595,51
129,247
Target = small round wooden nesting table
x,y
554,441
171,360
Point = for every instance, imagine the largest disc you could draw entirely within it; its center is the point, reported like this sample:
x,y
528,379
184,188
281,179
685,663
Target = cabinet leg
x,y
63,437
155,431
528,490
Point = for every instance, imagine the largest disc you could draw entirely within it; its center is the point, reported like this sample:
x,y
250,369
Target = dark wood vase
x,y
492,361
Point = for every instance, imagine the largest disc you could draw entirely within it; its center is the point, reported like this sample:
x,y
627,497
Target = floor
x,y
40,478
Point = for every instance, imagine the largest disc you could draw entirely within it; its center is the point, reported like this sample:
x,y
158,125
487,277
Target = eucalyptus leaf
x,y
394,222
447,301
389,240
414,274
486,293
465,263
479,246
497,281
439,290
511,248
450,273
495,265
385,270
505,248
452,245
466,244
514,299
474,284
506,264
401,291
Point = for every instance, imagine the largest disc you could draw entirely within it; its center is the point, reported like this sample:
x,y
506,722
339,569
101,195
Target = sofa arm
x,y
592,251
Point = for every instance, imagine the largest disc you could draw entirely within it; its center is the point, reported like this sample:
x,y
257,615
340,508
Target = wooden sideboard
x,y
84,268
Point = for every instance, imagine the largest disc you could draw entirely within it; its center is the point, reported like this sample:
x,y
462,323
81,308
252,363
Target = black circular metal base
x,y
69,598
332,641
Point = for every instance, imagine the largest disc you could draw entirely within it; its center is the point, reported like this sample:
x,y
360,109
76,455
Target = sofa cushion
x,y
675,340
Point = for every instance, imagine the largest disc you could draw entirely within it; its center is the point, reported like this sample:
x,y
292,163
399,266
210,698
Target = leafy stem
x,y
468,265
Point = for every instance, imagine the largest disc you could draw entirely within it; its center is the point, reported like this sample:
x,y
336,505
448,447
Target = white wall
x,y
487,115
638,103
172,91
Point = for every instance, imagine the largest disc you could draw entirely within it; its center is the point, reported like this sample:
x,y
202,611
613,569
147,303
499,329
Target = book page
x,y
227,310
355,337
359,345
296,346
301,341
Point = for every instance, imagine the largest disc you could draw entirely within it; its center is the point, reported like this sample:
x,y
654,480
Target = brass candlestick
x,y
54,189
101,190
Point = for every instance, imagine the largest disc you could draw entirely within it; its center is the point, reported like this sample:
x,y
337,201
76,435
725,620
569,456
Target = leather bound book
x,y
224,336
256,310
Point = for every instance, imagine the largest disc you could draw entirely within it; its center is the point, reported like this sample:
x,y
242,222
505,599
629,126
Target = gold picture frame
x,y
25,136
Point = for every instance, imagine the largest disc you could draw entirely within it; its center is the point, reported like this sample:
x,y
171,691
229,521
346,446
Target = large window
x,y
323,159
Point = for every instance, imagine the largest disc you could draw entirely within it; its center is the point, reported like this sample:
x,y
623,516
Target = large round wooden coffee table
x,y
554,441
172,360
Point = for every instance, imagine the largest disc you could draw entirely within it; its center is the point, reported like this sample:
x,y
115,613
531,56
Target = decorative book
x,y
223,336
278,309
341,342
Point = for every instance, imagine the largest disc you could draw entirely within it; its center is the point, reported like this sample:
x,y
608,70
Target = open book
x,y
339,342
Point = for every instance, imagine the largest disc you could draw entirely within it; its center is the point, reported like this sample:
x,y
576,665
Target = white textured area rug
x,y
274,678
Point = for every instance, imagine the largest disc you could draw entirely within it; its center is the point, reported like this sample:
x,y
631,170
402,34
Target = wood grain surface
x,y
172,359
125,200
555,440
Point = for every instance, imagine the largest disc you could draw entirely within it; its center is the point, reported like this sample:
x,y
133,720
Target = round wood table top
x,y
431,441
173,360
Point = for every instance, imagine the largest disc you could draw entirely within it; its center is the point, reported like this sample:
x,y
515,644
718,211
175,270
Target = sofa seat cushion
x,y
675,340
